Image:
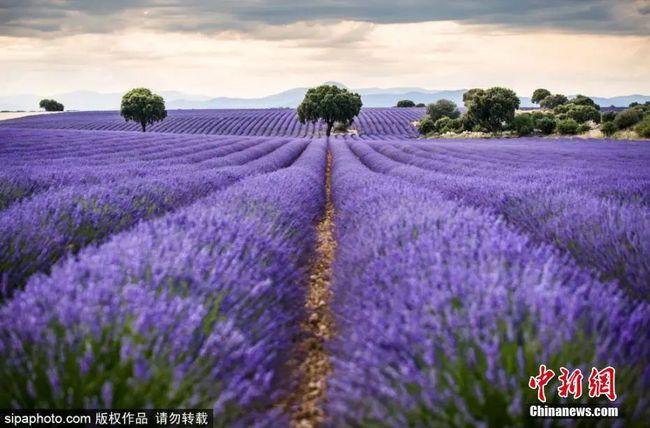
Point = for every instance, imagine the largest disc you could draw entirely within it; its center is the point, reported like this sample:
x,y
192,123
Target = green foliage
x,y
609,128
420,105
330,104
523,124
50,105
546,125
583,100
553,101
543,121
405,103
607,116
627,118
583,127
442,108
426,126
142,106
567,127
539,95
492,109
579,112
643,128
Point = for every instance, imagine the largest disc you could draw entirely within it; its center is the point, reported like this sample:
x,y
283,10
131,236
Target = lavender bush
x,y
444,311
197,308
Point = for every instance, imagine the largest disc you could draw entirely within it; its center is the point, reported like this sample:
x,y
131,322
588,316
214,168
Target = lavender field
x,y
252,122
239,261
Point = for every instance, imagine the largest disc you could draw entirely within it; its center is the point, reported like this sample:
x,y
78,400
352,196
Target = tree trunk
x,y
144,126
329,128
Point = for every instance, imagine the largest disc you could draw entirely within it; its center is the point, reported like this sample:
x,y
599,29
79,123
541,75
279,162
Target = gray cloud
x,y
52,17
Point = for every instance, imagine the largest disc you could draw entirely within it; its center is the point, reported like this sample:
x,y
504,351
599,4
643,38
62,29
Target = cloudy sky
x,y
258,47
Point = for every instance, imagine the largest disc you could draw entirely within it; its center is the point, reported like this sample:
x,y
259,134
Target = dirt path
x,y
307,406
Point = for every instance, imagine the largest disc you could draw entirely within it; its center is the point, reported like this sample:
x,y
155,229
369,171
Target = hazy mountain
x,y
372,97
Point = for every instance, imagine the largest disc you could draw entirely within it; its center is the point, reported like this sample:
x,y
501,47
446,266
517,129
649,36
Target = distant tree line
x,y
494,110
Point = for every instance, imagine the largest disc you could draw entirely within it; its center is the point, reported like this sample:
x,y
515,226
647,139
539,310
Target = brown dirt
x,y
306,404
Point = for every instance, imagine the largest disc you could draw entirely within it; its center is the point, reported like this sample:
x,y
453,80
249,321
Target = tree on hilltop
x,y
330,104
143,106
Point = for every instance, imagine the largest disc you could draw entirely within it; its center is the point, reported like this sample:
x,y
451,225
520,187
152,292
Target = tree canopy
x,y
539,95
142,106
330,104
443,108
492,109
50,105
553,101
405,103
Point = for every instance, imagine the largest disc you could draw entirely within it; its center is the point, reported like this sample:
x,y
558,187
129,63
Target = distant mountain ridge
x,y
371,97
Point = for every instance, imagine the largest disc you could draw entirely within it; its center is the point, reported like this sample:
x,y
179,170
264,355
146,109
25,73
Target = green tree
x,y
607,116
50,105
142,106
539,95
608,128
442,108
493,108
583,100
330,104
546,125
626,118
643,128
567,127
553,101
420,105
523,124
405,103
426,125
581,113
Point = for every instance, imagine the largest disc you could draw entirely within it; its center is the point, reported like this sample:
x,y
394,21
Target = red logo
x,y
601,383
539,382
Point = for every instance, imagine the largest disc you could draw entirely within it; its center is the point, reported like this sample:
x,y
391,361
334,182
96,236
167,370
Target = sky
x,y
250,48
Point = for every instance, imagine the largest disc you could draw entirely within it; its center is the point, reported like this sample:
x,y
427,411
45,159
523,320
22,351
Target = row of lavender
x,y
589,200
252,122
198,308
61,208
468,277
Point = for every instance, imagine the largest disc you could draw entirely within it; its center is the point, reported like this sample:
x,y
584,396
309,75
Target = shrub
x,y
420,105
643,128
443,108
553,101
608,128
627,118
455,125
50,105
441,124
142,106
546,125
426,126
567,127
493,108
582,100
523,124
583,113
539,95
607,116
583,127
405,103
